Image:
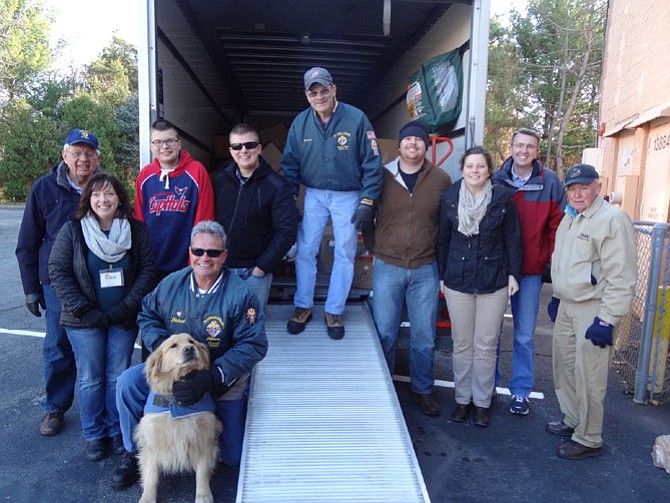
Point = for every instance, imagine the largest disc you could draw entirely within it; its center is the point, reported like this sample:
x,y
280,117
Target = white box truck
x,y
207,64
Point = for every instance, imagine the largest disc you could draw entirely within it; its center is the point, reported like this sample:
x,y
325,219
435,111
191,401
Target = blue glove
x,y
552,308
363,217
193,386
600,333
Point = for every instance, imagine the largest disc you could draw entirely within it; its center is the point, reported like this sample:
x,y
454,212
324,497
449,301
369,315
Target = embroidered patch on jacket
x,y
214,327
251,316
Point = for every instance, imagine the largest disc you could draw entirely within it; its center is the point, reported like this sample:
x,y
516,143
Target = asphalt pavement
x,y
512,460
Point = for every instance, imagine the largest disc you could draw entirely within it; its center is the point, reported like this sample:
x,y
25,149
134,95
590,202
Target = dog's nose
x,y
189,350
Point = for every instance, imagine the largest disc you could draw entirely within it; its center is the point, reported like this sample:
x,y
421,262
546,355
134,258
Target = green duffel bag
x,y
434,93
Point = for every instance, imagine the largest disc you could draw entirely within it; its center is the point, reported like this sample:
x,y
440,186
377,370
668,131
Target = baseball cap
x,y
581,173
82,136
317,75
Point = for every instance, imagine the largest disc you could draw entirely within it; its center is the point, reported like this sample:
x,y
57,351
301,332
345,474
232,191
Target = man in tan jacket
x,y
593,270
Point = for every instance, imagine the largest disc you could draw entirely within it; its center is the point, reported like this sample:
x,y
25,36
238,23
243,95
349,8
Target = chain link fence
x,y
641,349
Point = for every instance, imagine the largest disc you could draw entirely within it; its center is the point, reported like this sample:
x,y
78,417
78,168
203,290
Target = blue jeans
x,y
60,371
419,288
340,207
260,286
131,395
525,305
102,354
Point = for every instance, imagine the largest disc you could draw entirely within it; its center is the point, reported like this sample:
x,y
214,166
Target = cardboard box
x,y
273,156
363,270
389,148
274,134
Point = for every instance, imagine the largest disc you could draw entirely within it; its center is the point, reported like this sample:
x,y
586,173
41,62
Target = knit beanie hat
x,y
414,128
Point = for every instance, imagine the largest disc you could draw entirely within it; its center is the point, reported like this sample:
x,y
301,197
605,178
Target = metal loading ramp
x,y
324,423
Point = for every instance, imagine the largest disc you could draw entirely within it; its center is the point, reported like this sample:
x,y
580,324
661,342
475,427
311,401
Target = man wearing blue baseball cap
x,y
52,200
593,272
332,149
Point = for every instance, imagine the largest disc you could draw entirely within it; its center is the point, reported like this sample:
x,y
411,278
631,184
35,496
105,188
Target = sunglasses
x,y
247,144
199,252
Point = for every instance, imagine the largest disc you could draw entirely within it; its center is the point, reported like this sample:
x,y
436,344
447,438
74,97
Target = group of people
x,y
195,256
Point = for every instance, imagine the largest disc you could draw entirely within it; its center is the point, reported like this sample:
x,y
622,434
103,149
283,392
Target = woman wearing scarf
x,y
479,256
101,267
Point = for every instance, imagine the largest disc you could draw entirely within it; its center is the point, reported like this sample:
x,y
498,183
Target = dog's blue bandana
x,y
159,404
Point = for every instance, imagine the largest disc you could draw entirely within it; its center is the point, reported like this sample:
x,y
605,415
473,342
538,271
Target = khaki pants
x,y
580,372
475,327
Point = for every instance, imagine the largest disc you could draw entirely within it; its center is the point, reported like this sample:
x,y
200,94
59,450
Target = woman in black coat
x,y
101,266
479,256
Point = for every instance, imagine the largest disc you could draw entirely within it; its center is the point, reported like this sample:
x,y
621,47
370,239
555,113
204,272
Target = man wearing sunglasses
x,y
172,194
256,208
52,200
331,149
216,308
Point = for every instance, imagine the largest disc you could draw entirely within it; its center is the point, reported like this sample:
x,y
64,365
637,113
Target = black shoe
x,y
96,449
482,417
52,423
559,428
127,472
298,320
427,404
460,412
335,326
117,444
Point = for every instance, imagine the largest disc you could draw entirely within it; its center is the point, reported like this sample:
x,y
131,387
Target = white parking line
x,y
450,384
30,333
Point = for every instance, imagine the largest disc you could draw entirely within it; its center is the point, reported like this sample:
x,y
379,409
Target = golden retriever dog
x,y
176,444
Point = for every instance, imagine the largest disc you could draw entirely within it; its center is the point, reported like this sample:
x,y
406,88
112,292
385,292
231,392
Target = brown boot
x,y
298,320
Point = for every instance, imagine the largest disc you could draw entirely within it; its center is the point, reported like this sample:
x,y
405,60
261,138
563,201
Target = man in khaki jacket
x,y
593,270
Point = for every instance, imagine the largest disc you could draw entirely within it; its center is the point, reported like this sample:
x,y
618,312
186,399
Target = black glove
x,y
600,333
116,315
363,217
94,318
552,308
193,386
33,303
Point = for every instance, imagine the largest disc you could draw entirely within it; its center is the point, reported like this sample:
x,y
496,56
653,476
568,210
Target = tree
x,y
30,145
560,52
504,106
113,76
24,45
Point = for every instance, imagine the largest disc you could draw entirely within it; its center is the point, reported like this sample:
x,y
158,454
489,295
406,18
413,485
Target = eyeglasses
x,y
169,142
199,252
77,154
247,144
323,92
521,146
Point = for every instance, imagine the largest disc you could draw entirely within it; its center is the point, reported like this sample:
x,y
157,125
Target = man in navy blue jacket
x,y
332,149
52,200
256,208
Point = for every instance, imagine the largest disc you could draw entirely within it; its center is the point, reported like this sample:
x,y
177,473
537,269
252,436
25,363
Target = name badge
x,y
111,277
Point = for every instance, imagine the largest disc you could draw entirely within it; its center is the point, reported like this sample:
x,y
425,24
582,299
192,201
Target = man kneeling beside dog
x,y
178,398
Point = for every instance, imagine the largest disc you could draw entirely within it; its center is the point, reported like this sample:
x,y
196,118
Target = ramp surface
x,y
324,423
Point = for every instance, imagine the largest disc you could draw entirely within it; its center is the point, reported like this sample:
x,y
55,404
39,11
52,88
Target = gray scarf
x,y
110,248
471,209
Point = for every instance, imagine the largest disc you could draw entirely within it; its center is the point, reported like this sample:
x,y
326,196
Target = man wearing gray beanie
x,y
403,242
